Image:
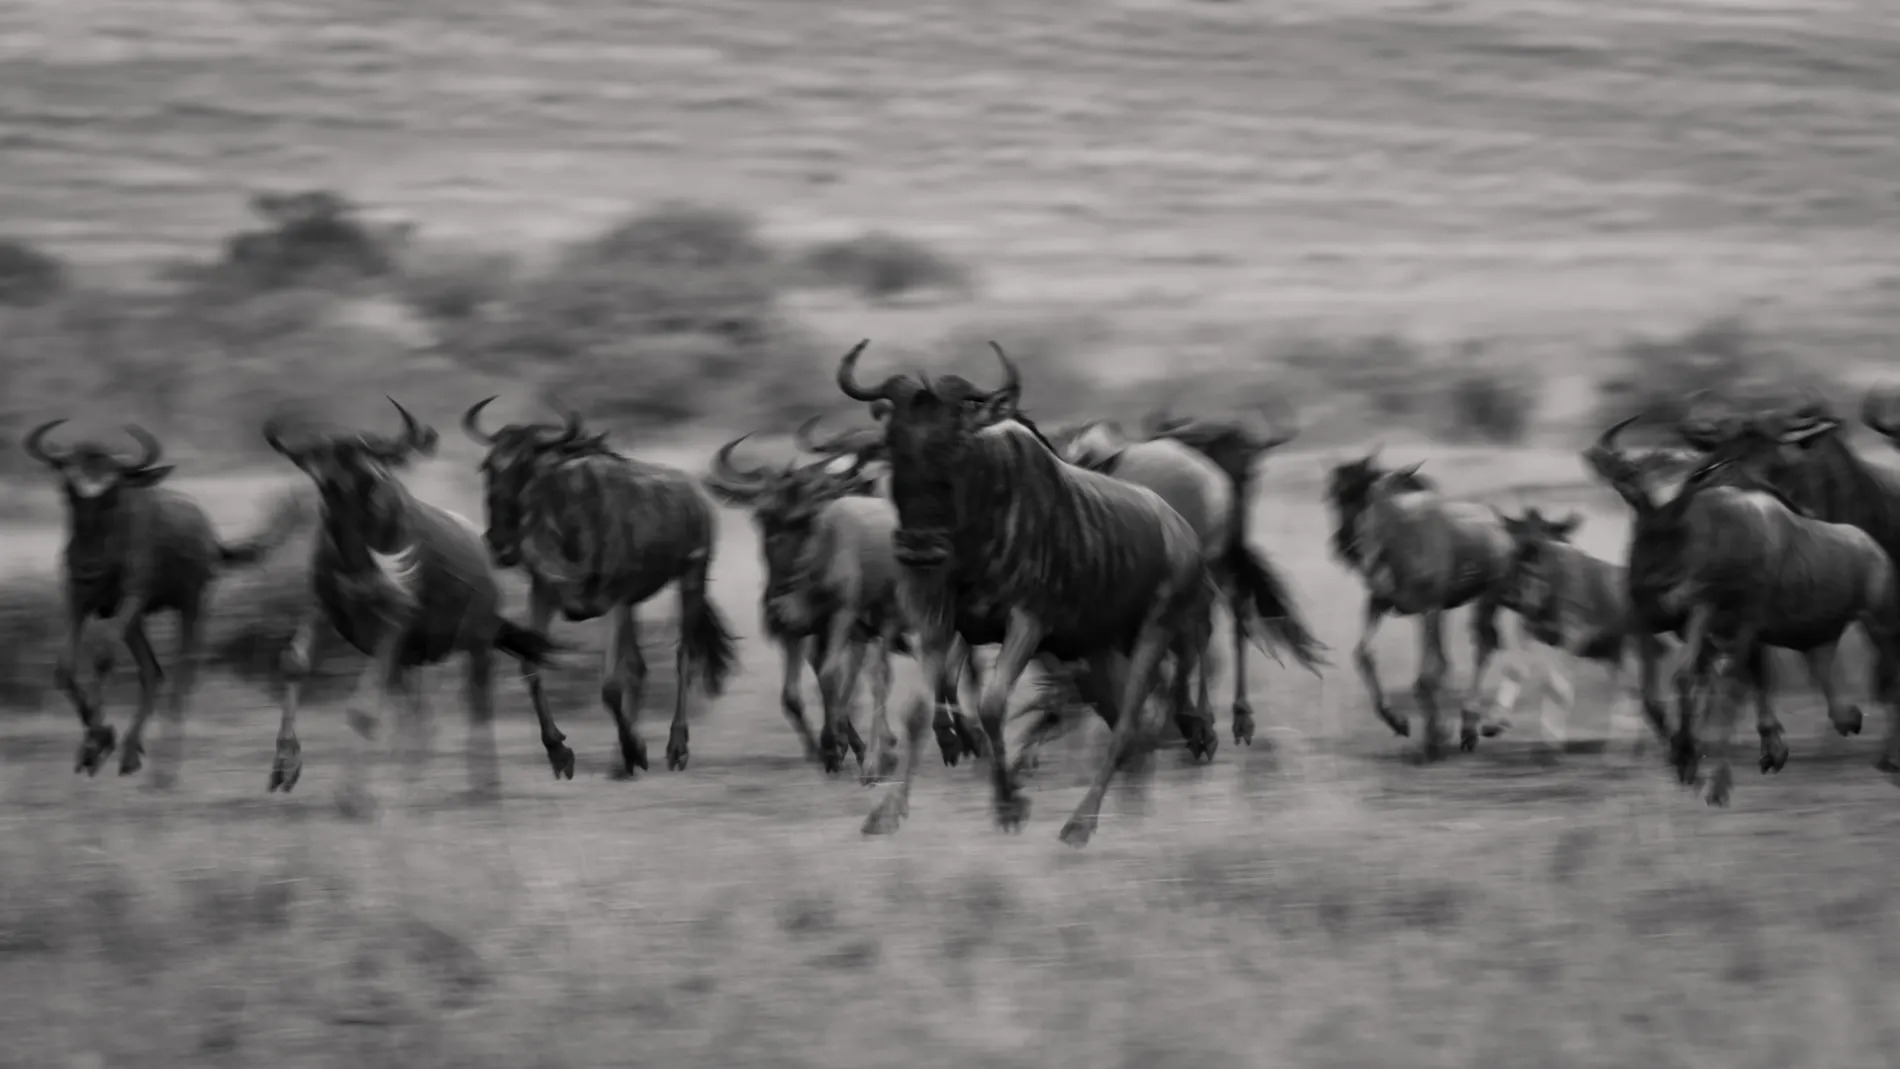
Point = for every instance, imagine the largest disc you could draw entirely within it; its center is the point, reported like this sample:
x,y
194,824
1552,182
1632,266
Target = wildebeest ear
x,y
426,442
145,476
1567,526
881,410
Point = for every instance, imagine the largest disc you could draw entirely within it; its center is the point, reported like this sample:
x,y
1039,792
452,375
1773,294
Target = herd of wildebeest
x,y
953,522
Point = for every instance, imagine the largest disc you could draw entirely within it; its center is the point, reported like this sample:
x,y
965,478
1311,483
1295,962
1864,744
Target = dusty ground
x,y
1546,175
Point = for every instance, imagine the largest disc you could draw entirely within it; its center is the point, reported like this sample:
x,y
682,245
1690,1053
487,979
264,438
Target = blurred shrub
x,y
28,275
1493,405
881,266
664,317
1390,379
313,238
452,286
1724,356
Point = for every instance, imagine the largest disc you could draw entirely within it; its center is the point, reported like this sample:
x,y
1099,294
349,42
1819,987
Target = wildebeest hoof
x,y
131,757
634,753
1491,729
1719,787
97,745
1011,812
1400,726
676,752
1243,725
1887,764
1683,755
1468,738
1077,831
1850,721
1774,754
886,818
288,765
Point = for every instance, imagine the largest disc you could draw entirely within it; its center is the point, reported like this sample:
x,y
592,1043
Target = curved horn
x,y
273,435
1012,378
412,433
34,446
726,472
471,422
572,426
847,375
1607,440
148,445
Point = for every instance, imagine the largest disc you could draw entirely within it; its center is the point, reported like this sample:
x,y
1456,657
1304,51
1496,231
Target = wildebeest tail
x,y
286,520
525,644
709,644
1275,614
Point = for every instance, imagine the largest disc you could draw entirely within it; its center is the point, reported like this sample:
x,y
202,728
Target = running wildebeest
x,y
1000,541
1572,602
1195,486
830,592
598,534
134,548
1420,554
1797,457
405,582
1748,570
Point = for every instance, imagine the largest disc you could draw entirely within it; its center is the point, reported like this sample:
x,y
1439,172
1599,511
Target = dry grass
x,y
1140,189
1325,902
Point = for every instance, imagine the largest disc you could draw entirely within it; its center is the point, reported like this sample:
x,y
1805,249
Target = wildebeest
x,y
1000,541
1420,554
1195,486
1748,571
134,548
598,534
405,582
830,593
1570,601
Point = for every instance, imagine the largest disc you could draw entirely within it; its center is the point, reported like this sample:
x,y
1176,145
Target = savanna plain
x,y
1471,230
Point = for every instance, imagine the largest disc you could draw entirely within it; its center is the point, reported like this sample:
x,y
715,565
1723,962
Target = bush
x,y
1458,395
1724,356
881,265
28,275
1492,405
312,238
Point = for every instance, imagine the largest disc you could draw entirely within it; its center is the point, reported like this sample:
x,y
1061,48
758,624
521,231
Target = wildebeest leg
x,y
1820,659
891,810
692,606
790,698
540,615
297,658
883,760
1753,667
1021,638
97,739
1484,635
838,682
132,752
171,750
1193,719
1649,653
1376,611
484,764
1242,715
1432,668
957,693
1128,736
367,716
1720,715
623,684
1692,669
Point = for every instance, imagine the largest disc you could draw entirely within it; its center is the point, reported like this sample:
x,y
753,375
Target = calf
x,y
134,548
406,583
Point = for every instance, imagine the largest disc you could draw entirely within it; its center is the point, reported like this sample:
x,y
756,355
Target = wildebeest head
x,y
92,476
865,442
516,454
1352,487
784,502
1648,480
1231,444
1529,581
354,473
927,434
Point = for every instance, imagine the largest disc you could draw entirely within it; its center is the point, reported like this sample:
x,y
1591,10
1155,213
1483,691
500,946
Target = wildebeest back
x,y
1191,484
603,530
